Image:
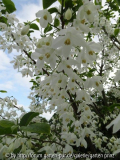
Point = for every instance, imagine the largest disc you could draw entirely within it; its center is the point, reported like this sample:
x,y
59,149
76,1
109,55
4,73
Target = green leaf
x,y
47,3
118,2
111,108
3,91
52,10
27,118
10,7
3,19
6,123
48,28
116,31
37,128
89,74
34,26
56,22
60,1
5,131
17,150
97,3
68,4
14,128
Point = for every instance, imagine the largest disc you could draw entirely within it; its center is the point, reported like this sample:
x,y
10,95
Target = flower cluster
x,y
71,71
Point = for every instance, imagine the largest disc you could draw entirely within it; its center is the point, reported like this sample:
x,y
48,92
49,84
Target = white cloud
x,y
10,79
47,115
4,61
7,85
28,12
22,81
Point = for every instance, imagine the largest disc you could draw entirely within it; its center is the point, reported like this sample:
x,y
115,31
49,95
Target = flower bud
x,y
68,14
25,30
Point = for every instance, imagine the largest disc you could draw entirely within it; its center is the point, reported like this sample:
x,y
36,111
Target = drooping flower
x,y
95,82
45,17
67,39
116,123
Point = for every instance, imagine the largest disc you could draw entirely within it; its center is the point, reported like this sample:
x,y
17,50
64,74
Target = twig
x,y
45,71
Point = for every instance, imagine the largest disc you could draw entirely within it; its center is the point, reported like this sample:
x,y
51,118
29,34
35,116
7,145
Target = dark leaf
x,y
34,26
37,128
2,91
48,3
27,118
52,10
6,123
10,7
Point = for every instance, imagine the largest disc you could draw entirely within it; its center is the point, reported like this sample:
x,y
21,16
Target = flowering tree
x,y
74,68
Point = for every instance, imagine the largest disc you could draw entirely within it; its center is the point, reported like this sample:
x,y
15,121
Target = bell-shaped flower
x,y
72,86
26,72
61,80
67,117
45,17
68,149
91,48
71,139
83,142
116,123
87,132
95,82
83,59
117,77
67,39
82,96
88,10
63,95
48,150
3,152
67,66
44,41
44,54
80,25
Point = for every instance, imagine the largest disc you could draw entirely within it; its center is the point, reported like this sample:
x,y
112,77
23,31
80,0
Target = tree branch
x,y
113,39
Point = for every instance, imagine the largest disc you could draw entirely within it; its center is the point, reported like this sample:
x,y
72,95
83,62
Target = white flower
x,y
48,150
117,77
117,151
83,59
3,152
68,149
67,117
45,18
68,37
80,24
44,54
1,7
88,10
68,14
83,142
116,123
26,72
95,82
82,96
